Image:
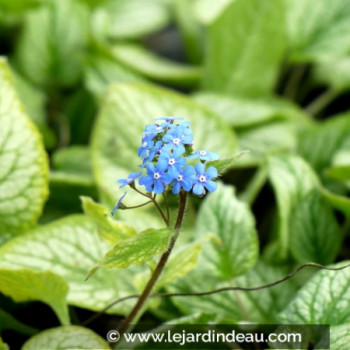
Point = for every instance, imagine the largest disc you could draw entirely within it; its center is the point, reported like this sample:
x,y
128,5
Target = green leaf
x,y
224,215
341,203
315,233
190,30
340,169
322,300
74,159
318,145
138,249
65,338
292,178
65,189
8,322
241,58
78,104
49,50
69,247
125,112
23,162
130,19
70,177
180,263
5,237
155,67
110,230
340,172
3,346
261,306
245,112
339,337
318,29
101,71
265,140
225,165
33,99
26,285
334,73
19,6
208,11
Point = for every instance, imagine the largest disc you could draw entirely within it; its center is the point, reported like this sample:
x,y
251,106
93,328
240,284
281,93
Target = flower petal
x,y
187,185
178,151
158,187
200,168
211,173
167,138
135,175
162,165
189,171
176,188
151,169
198,189
211,186
173,172
166,178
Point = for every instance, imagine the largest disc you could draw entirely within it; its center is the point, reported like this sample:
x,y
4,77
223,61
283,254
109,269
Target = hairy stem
x,y
220,290
167,207
153,200
160,211
137,206
158,270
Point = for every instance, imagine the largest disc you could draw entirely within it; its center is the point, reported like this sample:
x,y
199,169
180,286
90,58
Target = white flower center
x,y
144,144
171,161
179,177
202,178
156,176
176,141
202,153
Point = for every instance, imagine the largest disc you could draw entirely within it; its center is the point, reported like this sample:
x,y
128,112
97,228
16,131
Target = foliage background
x,y
79,79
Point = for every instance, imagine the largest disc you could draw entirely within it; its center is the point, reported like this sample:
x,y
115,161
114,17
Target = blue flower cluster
x,y
165,150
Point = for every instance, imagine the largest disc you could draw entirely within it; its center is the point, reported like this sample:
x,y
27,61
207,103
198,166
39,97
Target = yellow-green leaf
x,y
66,338
23,162
27,285
110,230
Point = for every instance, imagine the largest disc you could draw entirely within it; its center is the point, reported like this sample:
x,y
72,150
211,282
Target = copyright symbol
x,y
113,336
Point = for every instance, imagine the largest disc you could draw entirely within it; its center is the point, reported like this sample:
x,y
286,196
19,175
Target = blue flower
x,y
156,179
129,180
203,179
169,119
118,204
147,143
154,129
173,162
183,180
151,153
204,155
178,135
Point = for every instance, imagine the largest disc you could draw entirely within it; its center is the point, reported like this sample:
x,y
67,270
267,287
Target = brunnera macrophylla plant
x,y
169,166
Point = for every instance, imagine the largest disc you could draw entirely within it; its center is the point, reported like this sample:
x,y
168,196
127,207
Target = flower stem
x,y
166,221
153,200
137,206
158,270
167,207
